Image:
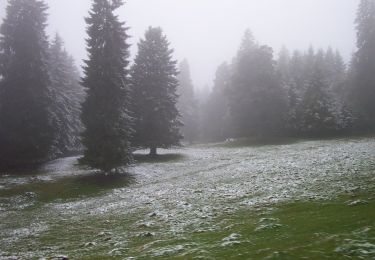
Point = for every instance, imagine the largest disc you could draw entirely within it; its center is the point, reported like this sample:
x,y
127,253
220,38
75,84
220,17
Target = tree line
x,y
311,93
47,110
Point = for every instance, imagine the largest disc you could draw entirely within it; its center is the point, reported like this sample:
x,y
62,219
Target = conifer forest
x,y
187,129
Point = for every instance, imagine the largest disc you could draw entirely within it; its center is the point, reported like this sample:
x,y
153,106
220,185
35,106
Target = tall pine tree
x,y
363,91
295,91
68,95
216,123
26,131
317,108
283,67
187,103
154,84
105,114
257,100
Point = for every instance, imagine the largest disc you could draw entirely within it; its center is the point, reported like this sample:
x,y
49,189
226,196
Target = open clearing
x,y
308,198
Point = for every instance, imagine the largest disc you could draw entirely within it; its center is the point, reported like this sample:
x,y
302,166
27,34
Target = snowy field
x,y
191,204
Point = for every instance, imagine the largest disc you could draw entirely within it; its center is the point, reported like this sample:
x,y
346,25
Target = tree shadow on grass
x,y
22,170
43,168
160,158
70,188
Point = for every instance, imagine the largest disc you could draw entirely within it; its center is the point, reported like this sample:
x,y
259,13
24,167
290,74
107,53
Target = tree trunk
x,y
153,151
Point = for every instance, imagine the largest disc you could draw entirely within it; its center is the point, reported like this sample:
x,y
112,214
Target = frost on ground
x,y
176,197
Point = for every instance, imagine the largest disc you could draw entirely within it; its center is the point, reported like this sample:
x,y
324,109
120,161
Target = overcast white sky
x,y
208,32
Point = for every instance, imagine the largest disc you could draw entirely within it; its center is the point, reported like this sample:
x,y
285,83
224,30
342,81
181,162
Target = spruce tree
x,y
68,95
283,67
317,109
187,104
289,74
296,70
154,87
257,100
341,74
335,70
26,131
295,91
216,123
363,92
315,103
105,114
336,75
308,67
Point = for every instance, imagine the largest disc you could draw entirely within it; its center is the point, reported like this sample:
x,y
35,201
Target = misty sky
x,y
208,32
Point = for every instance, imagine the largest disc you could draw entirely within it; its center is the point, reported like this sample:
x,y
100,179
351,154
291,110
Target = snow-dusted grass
x,y
207,201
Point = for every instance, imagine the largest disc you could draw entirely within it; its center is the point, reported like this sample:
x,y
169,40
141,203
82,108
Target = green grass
x,y
312,229
70,188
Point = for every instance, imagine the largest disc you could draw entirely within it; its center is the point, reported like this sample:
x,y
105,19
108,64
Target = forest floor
x,y
312,199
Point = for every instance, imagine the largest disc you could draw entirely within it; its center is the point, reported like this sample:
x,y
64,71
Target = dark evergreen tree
x,y
363,92
317,109
26,131
336,76
289,73
105,114
340,74
154,83
295,91
283,67
335,71
68,95
257,100
187,104
297,72
308,69
305,91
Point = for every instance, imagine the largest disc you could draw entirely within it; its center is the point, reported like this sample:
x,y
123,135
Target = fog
x,y
224,154
208,32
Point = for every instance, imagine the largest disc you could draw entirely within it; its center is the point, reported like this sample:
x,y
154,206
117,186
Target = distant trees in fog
x,y
256,99
308,94
187,104
216,124
298,95
315,107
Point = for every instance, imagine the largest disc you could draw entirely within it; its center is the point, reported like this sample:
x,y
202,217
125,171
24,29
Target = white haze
x,y
208,32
